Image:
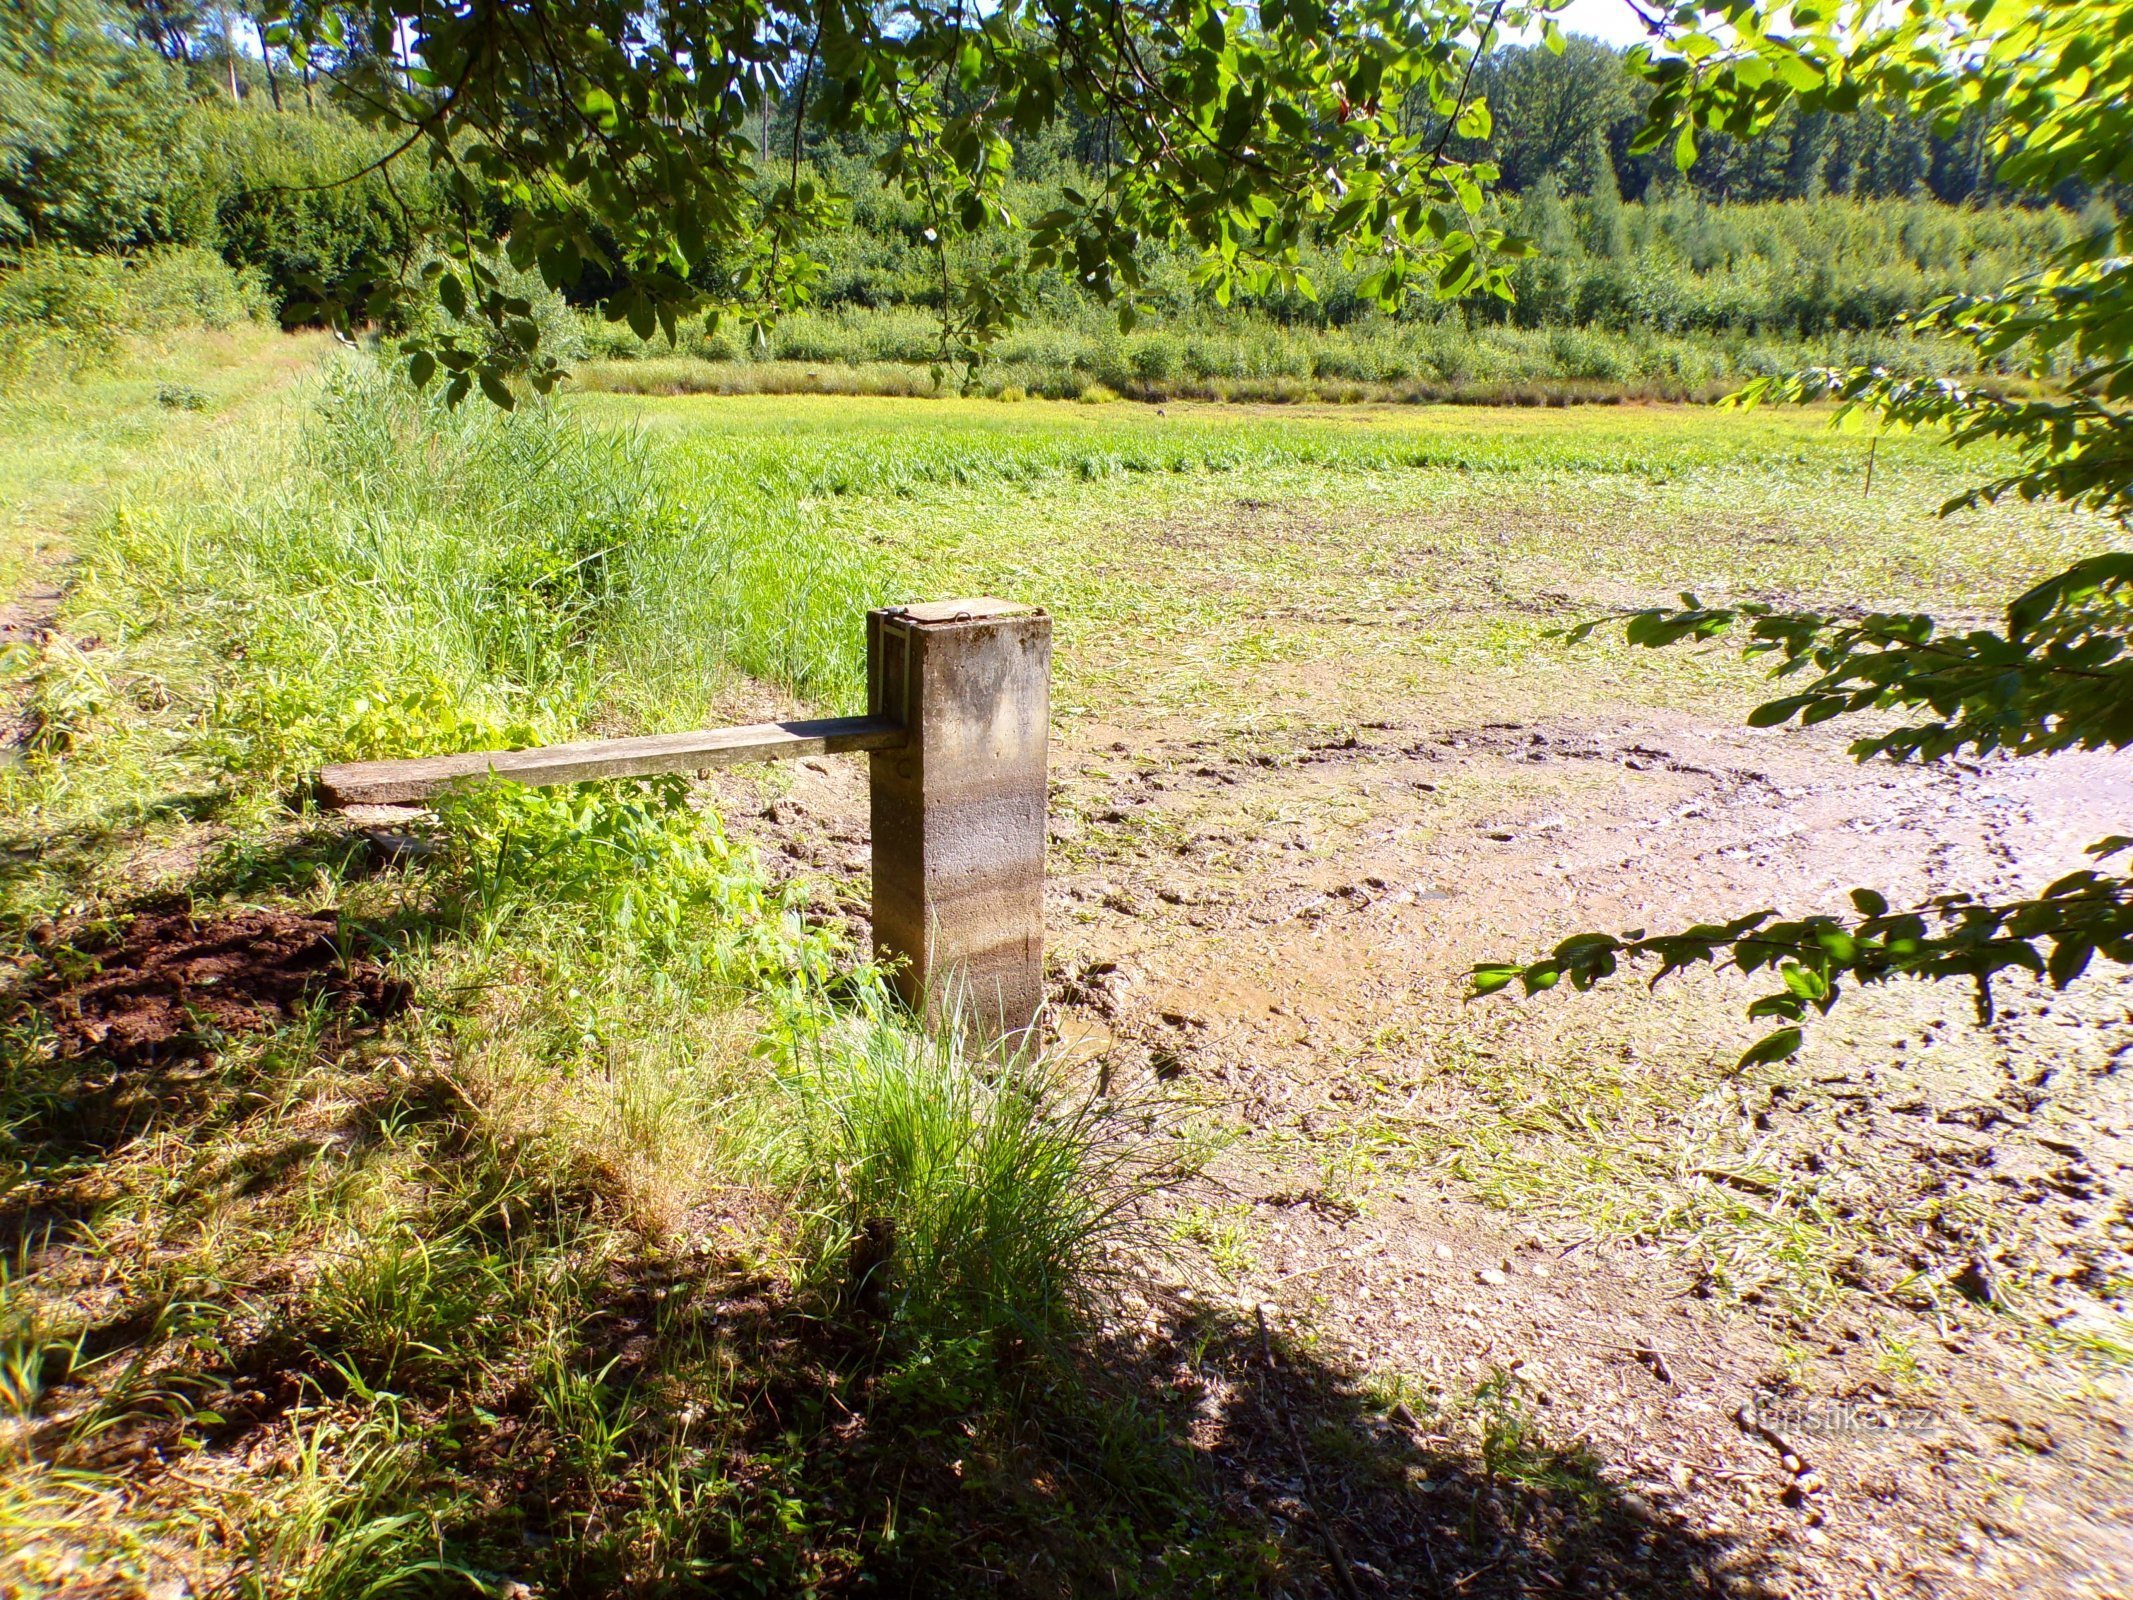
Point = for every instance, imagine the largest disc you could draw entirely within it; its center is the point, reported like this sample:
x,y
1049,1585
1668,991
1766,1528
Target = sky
x,y
1609,20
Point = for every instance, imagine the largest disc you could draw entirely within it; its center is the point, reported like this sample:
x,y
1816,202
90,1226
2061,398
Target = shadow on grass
x,y
584,1411
588,1423
1215,1457
698,1413
123,1020
1210,1457
76,852
699,1434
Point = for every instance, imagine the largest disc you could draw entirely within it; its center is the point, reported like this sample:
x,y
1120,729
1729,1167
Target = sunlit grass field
x,y
63,445
1183,547
538,1280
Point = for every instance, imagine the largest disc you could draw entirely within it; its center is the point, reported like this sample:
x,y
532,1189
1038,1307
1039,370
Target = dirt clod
x,y
173,983
1974,1283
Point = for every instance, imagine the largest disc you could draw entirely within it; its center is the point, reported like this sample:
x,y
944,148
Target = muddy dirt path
x,y
1848,1322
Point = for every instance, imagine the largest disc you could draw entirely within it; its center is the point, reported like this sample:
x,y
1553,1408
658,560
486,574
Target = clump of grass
x,y
960,1197
395,1296
342,1522
667,886
66,691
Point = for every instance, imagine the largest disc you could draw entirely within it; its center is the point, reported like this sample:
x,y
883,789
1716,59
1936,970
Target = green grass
x,y
549,1279
973,1202
636,1083
64,446
1182,547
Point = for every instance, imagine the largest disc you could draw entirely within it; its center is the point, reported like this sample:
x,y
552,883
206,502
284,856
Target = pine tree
x,y
1543,218
1606,230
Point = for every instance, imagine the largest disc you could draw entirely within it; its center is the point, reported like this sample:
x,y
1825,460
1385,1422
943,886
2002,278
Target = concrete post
x,y
959,810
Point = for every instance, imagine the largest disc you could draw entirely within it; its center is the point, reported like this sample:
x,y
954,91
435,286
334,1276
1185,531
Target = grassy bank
x,y
532,1158
1243,358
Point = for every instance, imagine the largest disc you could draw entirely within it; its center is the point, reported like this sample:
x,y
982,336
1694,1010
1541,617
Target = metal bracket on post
x,y
959,809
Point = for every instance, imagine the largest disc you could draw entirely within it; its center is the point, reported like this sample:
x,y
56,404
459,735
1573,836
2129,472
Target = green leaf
x,y
1841,946
1772,712
1782,1045
1804,982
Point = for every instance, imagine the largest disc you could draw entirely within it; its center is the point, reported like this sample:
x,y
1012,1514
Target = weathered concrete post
x,y
959,810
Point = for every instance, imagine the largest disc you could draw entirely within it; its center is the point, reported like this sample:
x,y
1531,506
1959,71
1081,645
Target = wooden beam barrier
x,y
958,723
387,783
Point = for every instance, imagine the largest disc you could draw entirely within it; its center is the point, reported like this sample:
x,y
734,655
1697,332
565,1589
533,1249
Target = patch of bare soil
x,y
25,625
1857,1321
172,984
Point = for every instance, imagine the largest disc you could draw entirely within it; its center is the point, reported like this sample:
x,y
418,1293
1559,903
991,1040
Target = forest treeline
x,y
159,164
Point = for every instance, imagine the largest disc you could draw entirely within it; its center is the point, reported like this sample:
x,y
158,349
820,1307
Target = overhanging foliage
x,y
2058,675
629,141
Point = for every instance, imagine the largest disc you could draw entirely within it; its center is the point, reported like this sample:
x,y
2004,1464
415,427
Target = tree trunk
x,y
266,56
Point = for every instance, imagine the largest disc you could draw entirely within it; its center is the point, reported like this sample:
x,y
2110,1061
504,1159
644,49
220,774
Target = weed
x,y
665,883
341,1522
1226,1236
590,1417
396,1296
1896,1357
1513,1450
68,691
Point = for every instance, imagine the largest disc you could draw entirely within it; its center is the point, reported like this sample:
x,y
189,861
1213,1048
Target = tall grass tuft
x,y
965,1200
346,1521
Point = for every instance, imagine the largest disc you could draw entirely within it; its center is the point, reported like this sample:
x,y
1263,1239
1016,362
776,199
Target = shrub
x,y
1156,357
94,148
79,309
280,209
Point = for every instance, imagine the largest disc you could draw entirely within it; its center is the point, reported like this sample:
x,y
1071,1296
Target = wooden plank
x,y
400,782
